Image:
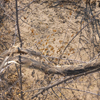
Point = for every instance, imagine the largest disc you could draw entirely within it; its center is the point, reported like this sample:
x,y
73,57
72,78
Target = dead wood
x,y
47,68
12,51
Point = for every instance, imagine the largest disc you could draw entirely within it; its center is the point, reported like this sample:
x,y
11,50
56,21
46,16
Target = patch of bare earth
x,y
48,28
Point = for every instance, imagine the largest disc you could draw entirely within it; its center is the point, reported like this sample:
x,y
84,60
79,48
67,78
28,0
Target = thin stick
x,y
18,25
55,84
20,46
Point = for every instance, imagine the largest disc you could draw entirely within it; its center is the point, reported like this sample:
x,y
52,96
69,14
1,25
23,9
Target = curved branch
x,y
68,70
47,68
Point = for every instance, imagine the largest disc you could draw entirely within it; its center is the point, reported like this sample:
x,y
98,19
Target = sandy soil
x,y
48,28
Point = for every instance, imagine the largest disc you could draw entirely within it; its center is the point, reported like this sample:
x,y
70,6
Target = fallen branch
x,y
63,70
47,68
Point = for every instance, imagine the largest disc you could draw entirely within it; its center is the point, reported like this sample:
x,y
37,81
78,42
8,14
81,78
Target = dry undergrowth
x,y
48,28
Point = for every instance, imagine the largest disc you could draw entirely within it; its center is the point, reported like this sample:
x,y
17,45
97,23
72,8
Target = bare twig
x,y
20,46
27,5
57,83
18,25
